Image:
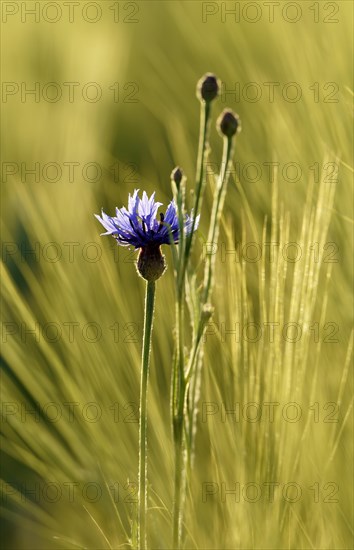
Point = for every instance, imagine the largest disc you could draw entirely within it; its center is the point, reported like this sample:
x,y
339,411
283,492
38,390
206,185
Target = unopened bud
x,y
228,123
208,88
151,263
177,176
207,313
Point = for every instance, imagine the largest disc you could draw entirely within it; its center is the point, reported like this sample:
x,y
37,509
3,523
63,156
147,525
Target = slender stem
x,y
218,206
148,322
205,111
194,367
177,519
179,380
178,420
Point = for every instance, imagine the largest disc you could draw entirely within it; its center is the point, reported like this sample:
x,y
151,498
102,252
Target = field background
x,y
156,61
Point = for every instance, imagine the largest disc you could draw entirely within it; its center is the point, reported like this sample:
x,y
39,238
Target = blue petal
x,y
138,226
148,210
133,202
107,223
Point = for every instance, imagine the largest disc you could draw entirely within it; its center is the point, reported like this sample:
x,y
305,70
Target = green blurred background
x,y
144,59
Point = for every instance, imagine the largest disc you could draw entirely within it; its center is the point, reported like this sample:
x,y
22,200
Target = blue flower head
x,y
137,226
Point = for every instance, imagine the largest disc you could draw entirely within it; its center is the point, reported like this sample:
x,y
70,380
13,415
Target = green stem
x,y
218,206
177,517
194,367
179,381
178,420
202,149
148,322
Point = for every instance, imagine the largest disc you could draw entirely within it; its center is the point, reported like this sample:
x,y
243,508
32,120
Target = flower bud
x,y
208,88
207,313
228,123
151,263
177,176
